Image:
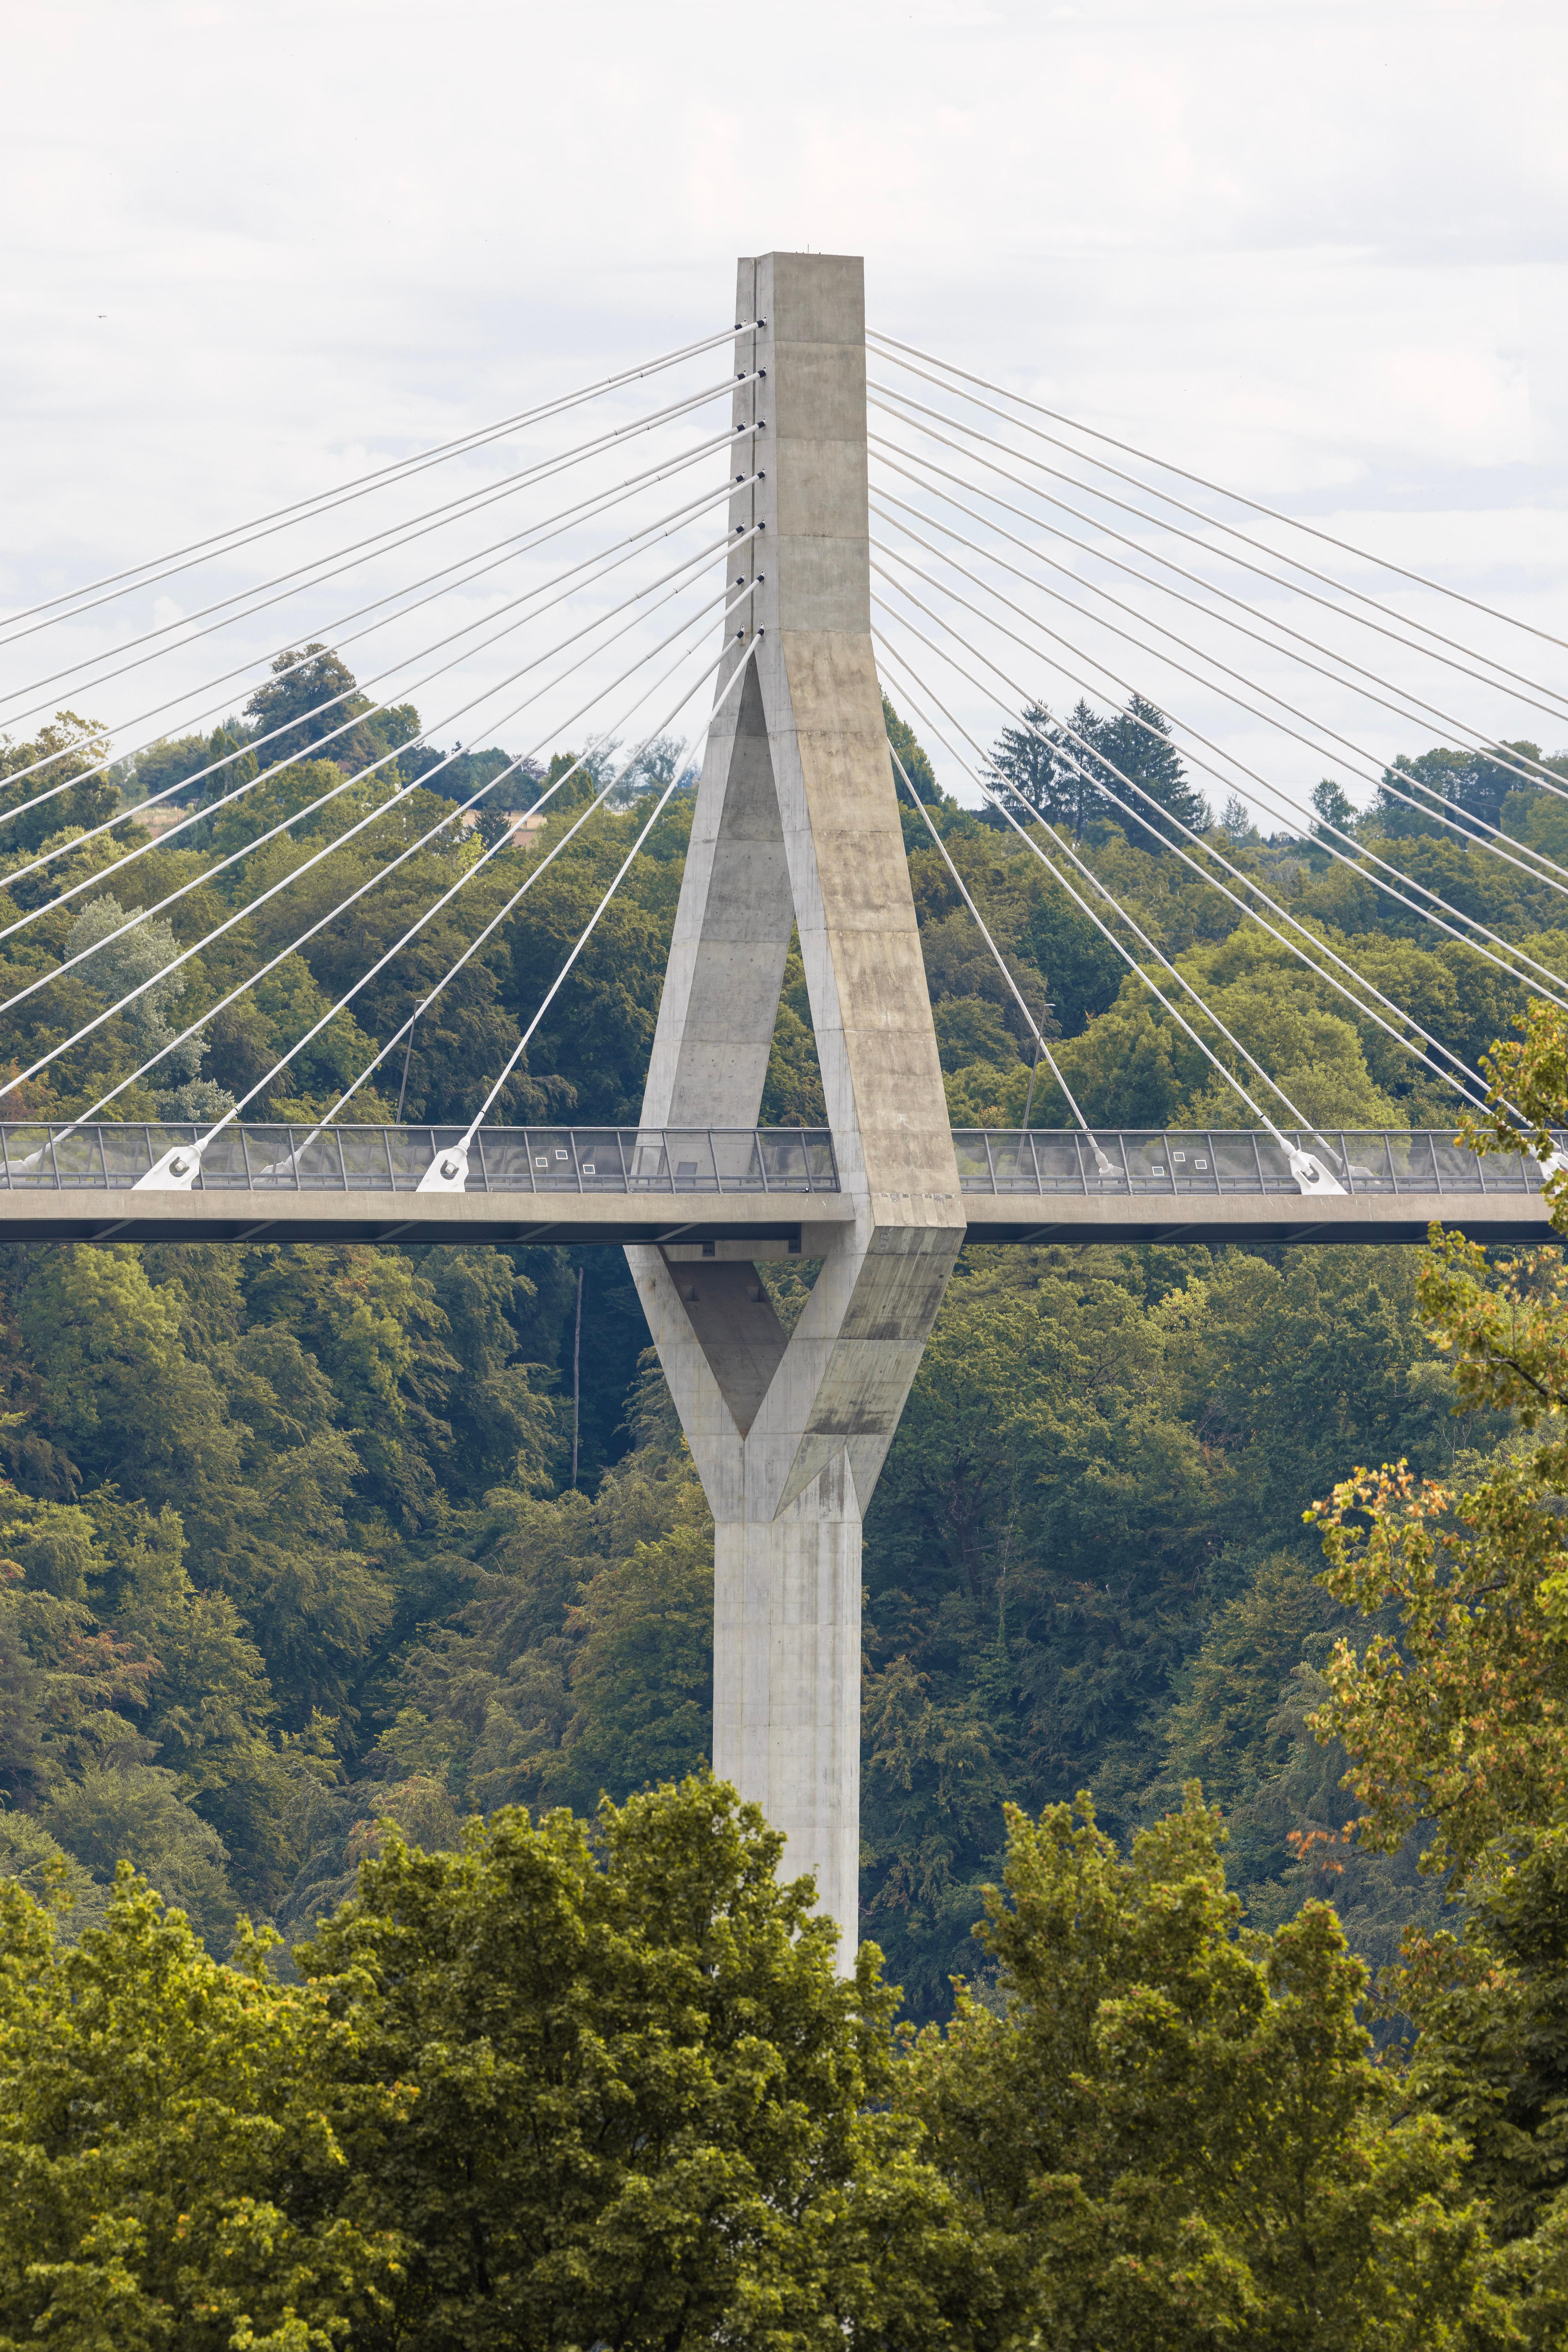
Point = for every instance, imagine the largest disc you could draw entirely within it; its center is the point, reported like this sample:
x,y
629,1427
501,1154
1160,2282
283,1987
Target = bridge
x,y
798,839
749,1192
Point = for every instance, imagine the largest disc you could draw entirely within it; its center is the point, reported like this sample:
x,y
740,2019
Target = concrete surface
x,y
797,824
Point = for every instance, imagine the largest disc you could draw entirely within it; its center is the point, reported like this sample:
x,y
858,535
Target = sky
x,y
1315,251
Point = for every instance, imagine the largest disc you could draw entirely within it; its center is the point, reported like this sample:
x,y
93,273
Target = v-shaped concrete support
x,y
797,824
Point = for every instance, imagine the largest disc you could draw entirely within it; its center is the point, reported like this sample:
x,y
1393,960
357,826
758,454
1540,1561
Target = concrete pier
x,y
797,824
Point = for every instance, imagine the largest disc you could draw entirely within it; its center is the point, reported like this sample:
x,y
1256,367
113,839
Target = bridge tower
x,y
796,826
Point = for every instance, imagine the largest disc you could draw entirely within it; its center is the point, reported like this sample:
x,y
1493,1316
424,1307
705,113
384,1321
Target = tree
x,y
645,2110
655,766
171,2164
1461,1717
1135,750
313,696
1456,1713
917,766
132,1811
120,966
1335,810
970,1029
502,1429
1173,2136
165,764
642,1678
1067,773
60,781
461,777
1492,2056
1051,773
1440,780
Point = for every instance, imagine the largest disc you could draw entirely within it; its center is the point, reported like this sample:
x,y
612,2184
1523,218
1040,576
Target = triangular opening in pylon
x,y
792,1095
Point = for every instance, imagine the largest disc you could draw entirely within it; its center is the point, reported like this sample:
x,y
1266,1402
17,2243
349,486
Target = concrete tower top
x,y
813,502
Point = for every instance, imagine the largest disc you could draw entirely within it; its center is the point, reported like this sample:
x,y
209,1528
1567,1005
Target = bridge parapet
x,y
1172,1164
636,1162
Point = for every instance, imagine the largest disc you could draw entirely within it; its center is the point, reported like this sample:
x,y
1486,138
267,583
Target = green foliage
x,y
295,1432
1063,772
134,1812
583,1662
1457,1712
55,771
312,698
172,2144
1174,2133
642,1679
968,1029
1078,1561
645,2111
916,765
166,765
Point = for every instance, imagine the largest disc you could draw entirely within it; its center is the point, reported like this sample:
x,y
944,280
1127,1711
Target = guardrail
x,y
1174,1162
1037,1162
62,1157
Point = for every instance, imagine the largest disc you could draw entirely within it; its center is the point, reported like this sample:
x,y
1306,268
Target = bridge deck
x,y
1237,1185
738,1192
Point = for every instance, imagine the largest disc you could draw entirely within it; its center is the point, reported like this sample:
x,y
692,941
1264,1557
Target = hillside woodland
x,y
295,1583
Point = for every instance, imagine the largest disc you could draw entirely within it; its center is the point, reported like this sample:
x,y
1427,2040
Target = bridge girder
x,y
739,1227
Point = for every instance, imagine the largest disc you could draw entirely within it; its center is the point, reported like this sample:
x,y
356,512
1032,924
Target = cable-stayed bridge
x,y
764,573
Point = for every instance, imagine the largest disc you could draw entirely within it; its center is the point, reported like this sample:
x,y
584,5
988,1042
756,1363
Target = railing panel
x,y
598,1151
1190,1159
410,1151
973,1160
267,1157
1369,1163
1459,1171
75,1159
1238,1164
821,1166
1415,1170
1063,1164
649,1161
1148,1162
1013,1168
552,1161
223,1163
508,1167
691,1162
366,1166
738,1158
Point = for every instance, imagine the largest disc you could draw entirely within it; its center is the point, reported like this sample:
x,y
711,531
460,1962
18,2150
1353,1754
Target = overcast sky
x,y
1314,250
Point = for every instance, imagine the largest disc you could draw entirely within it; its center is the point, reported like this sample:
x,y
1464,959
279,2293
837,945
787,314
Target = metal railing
x,y
267,1159
1145,1161
1041,1161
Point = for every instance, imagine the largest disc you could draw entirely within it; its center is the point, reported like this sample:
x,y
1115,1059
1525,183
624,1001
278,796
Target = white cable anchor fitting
x,y
1311,1176
176,1171
447,1173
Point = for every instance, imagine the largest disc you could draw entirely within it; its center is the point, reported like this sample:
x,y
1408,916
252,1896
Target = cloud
x,y
1316,253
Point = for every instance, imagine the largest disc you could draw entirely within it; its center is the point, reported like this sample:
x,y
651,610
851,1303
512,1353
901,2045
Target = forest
x,y
303,1615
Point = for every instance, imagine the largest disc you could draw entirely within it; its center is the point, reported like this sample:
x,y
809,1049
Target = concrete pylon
x,y
797,823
